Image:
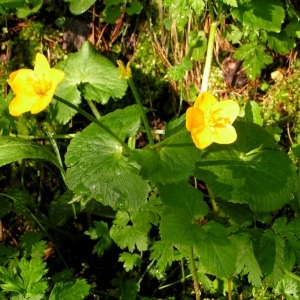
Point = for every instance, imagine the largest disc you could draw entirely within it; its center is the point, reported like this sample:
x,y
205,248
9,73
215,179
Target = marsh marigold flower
x,y
34,89
210,121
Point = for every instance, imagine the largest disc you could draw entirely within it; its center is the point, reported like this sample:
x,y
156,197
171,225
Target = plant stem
x,y
212,201
229,280
209,56
144,117
93,109
97,122
194,273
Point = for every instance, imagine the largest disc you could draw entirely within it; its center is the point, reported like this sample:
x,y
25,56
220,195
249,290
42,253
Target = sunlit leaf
x,y
98,169
250,170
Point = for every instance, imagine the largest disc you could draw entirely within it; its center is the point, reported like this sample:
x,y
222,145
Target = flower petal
x,y
21,104
224,135
194,118
18,81
56,76
202,138
227,109
41,64
205,101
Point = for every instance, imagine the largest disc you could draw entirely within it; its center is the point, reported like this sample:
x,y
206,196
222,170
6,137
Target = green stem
x,y
211,11
42,137
209,56
212,201
292,275
93,109
229,280
97,122
194,273
144,117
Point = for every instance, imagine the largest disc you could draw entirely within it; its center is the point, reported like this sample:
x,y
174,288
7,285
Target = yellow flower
x,y
34,89
209,121
124,71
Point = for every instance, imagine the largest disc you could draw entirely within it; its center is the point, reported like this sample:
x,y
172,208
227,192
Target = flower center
x,y
216,120
41,85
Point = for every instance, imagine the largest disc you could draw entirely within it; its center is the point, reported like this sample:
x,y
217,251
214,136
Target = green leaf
x,y
269,252
257,15
198,6
233,34
252,113
250,170
111,14
181,218
135,8
163,253
61,210
130,237
32,7
130,260
246,260
29,283
78,7
90,75
32,244
174,157
100,231
288,286
14,149
197,45
78,290
177,72
180,11
254,57
280,42
230,2
217,253
97,168
292,29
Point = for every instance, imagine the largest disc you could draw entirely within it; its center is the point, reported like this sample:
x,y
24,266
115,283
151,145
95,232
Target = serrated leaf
x,y
288,286
233,34
232,3
257,15
184,207
246,261
198,6
130,237
163,253
70,290
174,157
180,11
130,260
217,253
292,29
254,57
14,149
250,170
269,252
89,74
97,167
32,272
177,72
100,231
78,7
281,43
